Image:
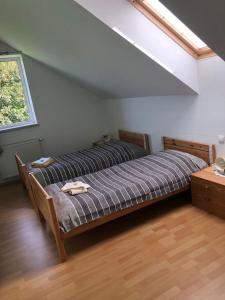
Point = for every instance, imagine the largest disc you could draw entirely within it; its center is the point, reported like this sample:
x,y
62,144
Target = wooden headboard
x,y
140,139
198,149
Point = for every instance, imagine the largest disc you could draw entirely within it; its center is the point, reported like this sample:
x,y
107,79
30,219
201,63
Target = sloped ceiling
x,y
63,35
206,18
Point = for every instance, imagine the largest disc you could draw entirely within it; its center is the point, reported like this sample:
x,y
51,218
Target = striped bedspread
x,y
124,185
87,161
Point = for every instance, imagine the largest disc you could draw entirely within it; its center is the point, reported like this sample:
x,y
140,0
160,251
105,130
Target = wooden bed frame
x,y
140,139
45,203
203,151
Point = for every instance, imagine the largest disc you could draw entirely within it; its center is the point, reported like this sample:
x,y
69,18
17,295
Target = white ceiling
x,y
63,35
206,18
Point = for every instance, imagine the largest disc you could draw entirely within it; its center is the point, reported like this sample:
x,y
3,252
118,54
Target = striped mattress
x,y
123,186
87,161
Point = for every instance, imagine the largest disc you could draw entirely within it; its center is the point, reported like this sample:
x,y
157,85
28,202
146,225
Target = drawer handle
x,y
206,187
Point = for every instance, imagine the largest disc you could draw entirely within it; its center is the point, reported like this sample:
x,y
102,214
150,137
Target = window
x,y
16,108
171,25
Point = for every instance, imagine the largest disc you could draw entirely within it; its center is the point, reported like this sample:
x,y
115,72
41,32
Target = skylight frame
x,y
154,16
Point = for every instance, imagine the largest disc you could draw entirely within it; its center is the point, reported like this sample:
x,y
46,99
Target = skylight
x,y
176,23
158,14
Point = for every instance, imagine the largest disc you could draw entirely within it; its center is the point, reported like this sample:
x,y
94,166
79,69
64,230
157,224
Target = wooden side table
x,y
208,191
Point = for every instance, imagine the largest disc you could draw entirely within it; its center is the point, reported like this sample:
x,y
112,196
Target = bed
x,y
120,189
129,146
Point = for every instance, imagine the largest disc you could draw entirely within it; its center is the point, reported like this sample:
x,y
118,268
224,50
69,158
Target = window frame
x,y
27,95
171,31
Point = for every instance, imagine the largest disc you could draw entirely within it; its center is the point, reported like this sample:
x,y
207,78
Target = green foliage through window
x,y
13,107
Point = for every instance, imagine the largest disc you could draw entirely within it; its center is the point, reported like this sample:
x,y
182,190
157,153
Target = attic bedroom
x,y
112,156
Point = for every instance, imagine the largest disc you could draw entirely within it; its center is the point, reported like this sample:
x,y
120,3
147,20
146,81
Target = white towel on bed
x,y
74,188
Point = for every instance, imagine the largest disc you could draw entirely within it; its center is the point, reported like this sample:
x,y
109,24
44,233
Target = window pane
x,y
13,107
180,27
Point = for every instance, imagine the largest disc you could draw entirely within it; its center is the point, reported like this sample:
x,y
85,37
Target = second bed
x,y
130,146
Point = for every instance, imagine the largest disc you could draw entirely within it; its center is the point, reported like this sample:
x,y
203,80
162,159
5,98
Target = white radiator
x,y
29,150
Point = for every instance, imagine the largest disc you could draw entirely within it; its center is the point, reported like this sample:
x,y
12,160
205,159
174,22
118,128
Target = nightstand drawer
x,y
208,196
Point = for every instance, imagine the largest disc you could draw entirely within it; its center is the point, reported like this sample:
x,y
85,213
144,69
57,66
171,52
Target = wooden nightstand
x,y
208,191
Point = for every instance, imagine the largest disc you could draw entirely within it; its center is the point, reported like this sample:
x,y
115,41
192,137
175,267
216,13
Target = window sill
x,y
17,127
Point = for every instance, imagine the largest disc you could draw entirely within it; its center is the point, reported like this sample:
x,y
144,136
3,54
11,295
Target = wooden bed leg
x,y
61,249
41,217
24,176
31,196
46,209
56,231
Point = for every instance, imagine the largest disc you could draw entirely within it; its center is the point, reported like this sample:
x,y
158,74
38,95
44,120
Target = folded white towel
x,y
78,191
75,187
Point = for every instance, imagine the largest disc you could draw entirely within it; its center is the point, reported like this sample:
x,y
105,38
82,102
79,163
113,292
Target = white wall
x,y
69,118
199,118
121,14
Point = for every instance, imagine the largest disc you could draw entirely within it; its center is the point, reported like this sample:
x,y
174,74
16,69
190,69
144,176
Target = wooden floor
x,y
168,251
